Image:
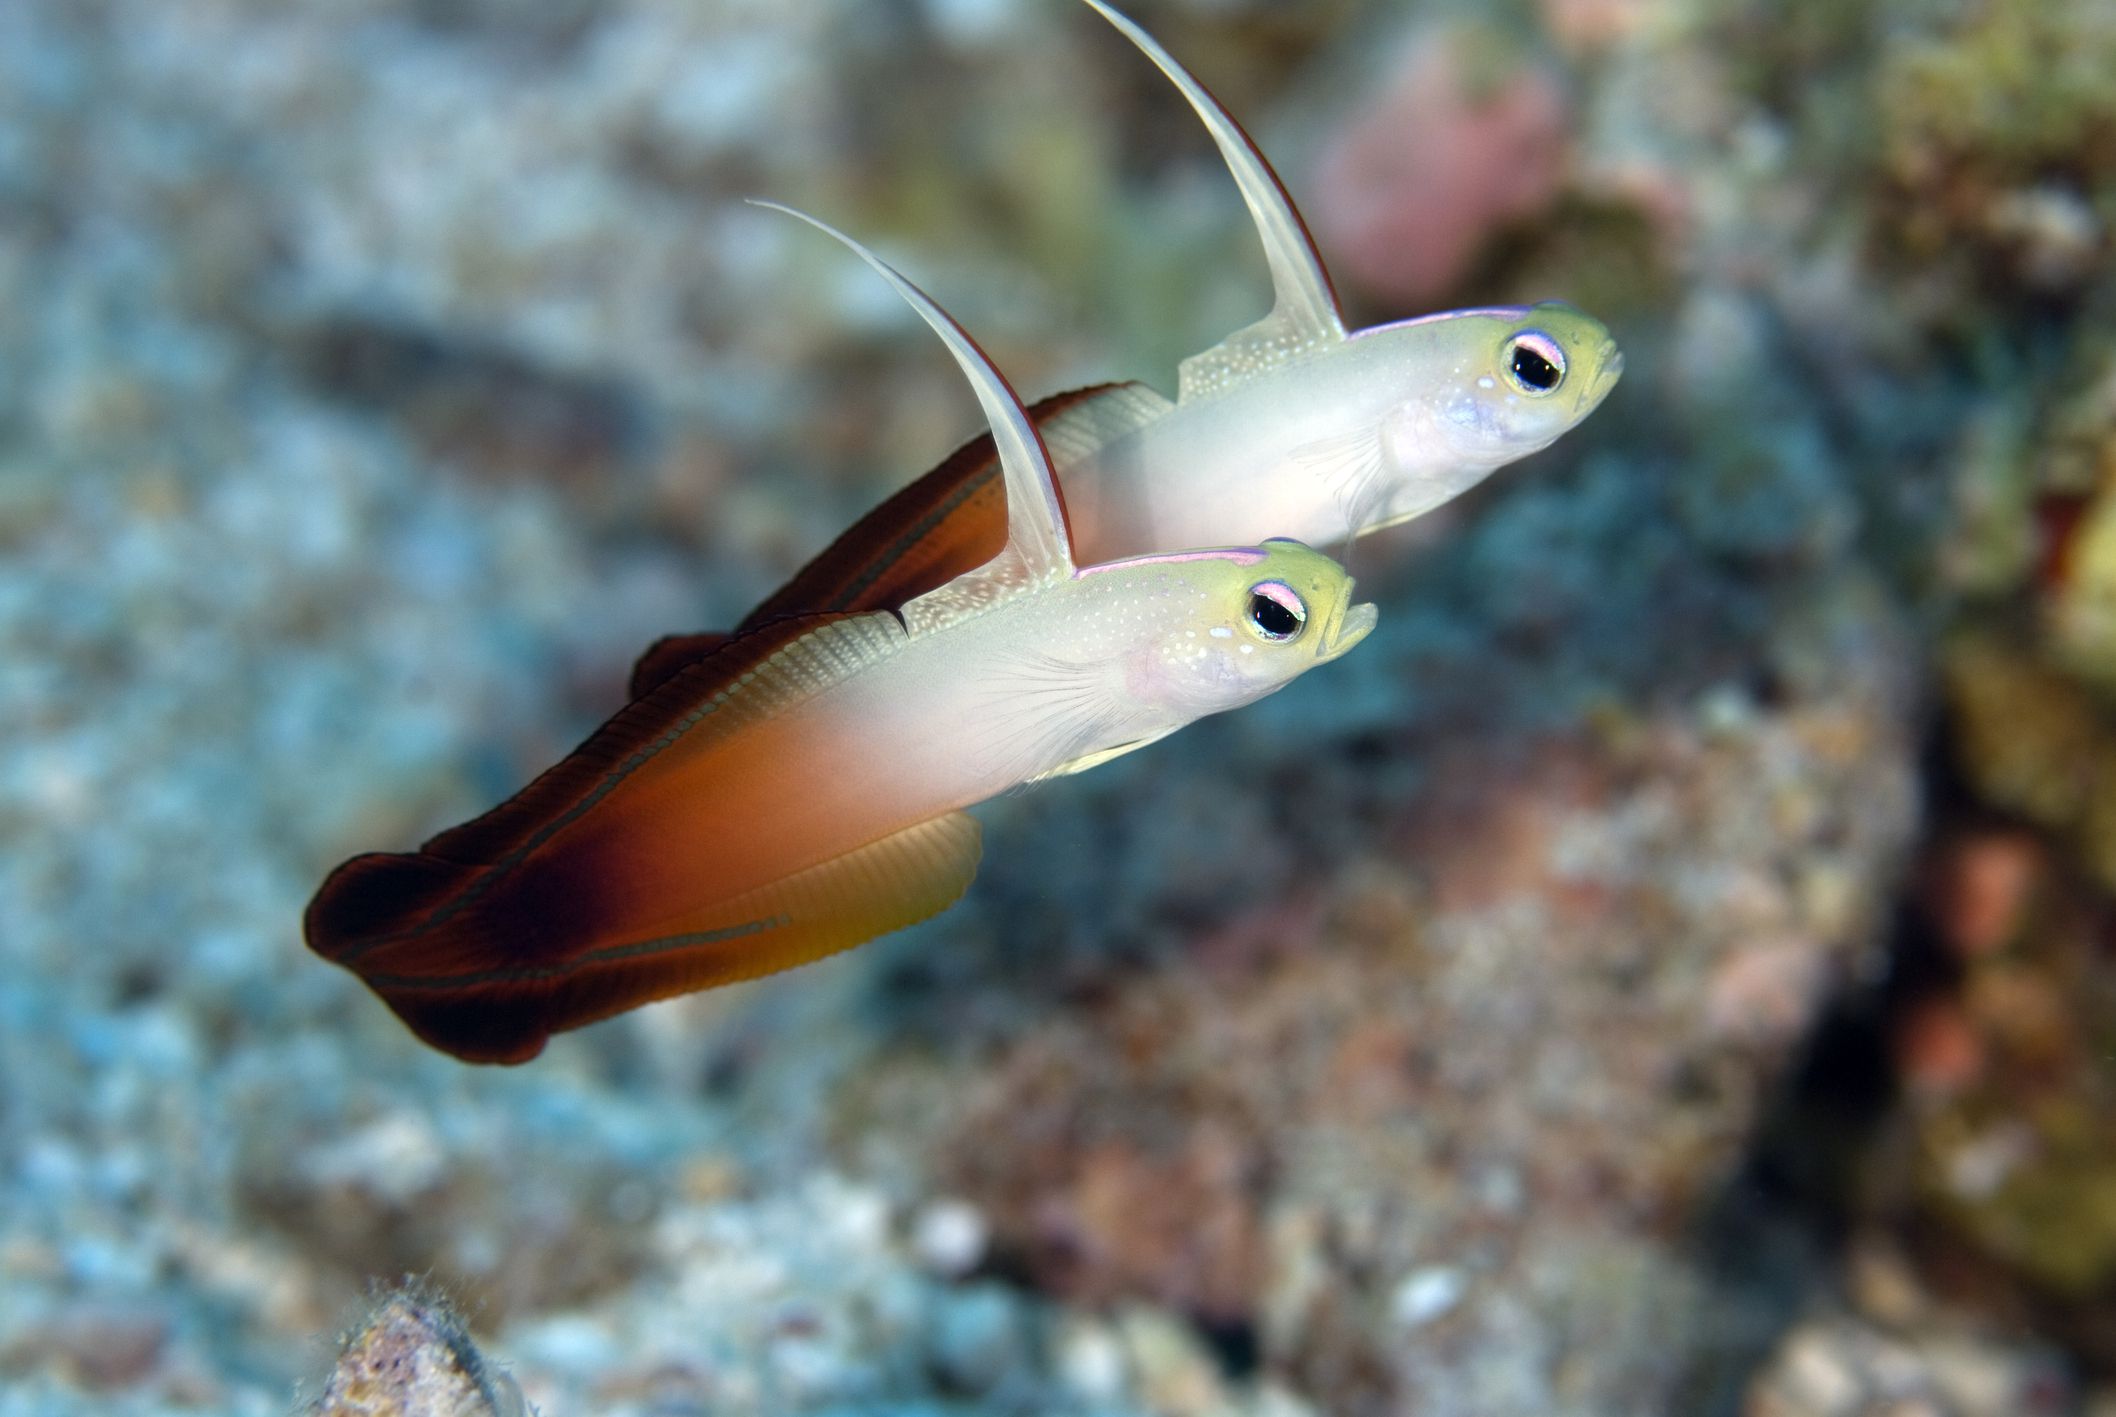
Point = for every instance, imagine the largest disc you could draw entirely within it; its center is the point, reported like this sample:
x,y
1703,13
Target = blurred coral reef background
x,y
1668,969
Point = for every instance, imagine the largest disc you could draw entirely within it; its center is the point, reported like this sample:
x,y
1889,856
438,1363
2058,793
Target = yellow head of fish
x,y
1231,626
1485,387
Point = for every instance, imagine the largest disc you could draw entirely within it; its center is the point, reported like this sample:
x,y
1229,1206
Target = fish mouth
x,y
1348,627
1609,368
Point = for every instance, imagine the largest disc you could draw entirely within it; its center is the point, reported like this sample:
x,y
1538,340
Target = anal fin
x,y
506,1014
885,885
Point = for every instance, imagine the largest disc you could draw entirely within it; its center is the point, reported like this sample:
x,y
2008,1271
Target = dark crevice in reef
x,y
1768,1241
1771,1238
1829,1155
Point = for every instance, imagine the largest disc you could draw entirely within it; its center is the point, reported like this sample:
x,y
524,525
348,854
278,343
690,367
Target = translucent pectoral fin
x,y
1097,759
1346,471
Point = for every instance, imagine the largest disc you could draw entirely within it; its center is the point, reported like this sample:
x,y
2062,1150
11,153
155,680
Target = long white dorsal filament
x,y
1302,298
1035,523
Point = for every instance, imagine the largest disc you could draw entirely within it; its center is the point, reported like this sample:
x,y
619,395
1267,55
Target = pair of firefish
x,y
774,796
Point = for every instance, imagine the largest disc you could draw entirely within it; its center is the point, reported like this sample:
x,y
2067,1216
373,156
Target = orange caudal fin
x,y
492,936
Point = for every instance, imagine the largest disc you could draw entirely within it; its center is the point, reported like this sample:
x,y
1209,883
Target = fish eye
x,y
1534,363
1276,611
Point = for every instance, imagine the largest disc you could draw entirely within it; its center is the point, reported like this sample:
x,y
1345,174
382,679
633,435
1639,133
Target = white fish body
x,y
1291,427
1295,426
804,789
1348,439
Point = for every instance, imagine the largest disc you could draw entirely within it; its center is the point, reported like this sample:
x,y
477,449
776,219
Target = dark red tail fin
x,y
410,927
499,932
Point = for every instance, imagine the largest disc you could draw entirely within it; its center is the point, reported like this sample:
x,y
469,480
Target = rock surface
x,y
412,1358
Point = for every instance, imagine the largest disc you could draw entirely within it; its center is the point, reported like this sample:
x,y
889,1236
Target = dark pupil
x,y
1533,370
1272,618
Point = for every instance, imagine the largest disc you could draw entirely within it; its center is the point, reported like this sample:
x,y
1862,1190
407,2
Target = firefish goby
x,y
802,789
1293,426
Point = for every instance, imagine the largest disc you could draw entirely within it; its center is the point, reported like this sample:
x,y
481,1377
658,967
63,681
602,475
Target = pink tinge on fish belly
x,y
1413,186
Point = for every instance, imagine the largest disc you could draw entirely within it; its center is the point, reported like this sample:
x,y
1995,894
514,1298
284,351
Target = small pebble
x,y
1426,1294
413,1358
949,1237
1091,1360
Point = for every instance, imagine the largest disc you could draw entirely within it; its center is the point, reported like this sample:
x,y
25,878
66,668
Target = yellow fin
x,y
885,885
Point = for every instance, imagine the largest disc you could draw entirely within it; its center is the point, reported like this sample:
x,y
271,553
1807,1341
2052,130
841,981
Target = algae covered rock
x,y
2036,741
412,1357
2000,131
